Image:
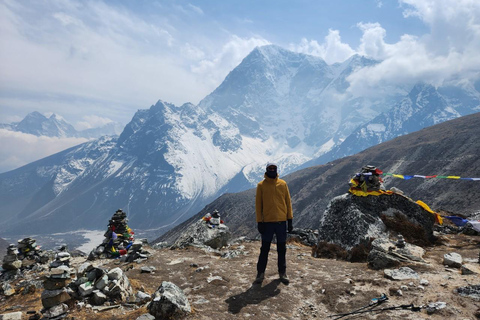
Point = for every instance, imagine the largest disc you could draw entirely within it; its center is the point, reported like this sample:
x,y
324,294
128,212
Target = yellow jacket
x,y
272,202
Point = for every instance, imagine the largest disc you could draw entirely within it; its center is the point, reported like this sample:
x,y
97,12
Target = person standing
x,y
274,216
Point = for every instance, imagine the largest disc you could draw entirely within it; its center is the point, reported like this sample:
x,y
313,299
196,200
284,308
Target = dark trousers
x,y
279,229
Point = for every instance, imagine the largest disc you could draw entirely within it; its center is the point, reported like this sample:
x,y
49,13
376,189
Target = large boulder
x,y
169,302
351,220
200,233
387,254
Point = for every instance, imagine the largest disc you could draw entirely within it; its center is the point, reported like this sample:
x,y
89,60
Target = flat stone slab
x,y
403,273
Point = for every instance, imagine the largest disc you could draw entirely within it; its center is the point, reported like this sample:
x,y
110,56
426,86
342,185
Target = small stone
x,y
147,269
11,316
466,271
115,274
424,282
421,288
453,260
399,293
404,288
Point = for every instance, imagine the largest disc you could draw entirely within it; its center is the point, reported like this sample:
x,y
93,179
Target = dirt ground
x,y
221,288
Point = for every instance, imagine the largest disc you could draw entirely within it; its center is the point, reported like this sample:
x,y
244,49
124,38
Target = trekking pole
x,y
375,302
403,306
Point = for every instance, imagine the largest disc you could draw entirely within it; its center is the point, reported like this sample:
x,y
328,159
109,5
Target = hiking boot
x,y
284,278
260,277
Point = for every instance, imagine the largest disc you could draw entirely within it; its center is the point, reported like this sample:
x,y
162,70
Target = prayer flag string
x,y
405,177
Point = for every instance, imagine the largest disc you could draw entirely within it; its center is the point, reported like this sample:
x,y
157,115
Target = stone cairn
x,y
11,261
26,255
97,286
56,294
55,284
119,241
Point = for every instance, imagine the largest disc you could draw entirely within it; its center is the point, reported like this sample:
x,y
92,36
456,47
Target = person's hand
x,y
261,227
290,225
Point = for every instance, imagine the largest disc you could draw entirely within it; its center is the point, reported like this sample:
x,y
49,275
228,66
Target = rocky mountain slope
x,y
424,106
449,148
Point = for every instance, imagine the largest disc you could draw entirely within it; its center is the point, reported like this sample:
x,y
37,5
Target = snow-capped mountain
x,y
424,106
37,124
170,161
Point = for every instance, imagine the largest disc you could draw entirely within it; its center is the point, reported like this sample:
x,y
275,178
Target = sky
x,y
94,62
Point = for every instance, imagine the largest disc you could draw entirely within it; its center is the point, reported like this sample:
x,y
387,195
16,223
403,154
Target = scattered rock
x,y
470,291
453,260
142,297
98,298
403,273
169,301
200,234
11,316
468,269
435,306
424,282
56,311
146,316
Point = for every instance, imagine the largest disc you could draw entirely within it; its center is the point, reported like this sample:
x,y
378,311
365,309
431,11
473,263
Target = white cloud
x,y
215,69
20,148
92,121
331,50
196,9
449,52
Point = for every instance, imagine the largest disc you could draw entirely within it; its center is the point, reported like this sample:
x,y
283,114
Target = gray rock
x,y
51,298
101,282
470,291
85,289
307,237
147,269
453,260
385,254
98,298
466,270
200,234
169,301
380,260
435,306
115,274
146,316
403,273
11,316
7,289
56,311
351,220
119,289
142,297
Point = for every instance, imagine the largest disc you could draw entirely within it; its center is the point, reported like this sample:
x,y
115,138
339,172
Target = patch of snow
x,y
376,127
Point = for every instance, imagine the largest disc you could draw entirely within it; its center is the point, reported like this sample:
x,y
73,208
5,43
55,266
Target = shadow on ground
x,y
254,295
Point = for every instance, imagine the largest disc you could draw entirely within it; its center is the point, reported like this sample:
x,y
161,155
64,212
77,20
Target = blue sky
x,y
98,61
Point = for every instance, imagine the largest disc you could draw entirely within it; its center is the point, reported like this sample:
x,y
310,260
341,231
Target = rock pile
x,y
96,285
26,255
351,220
200,233
11,261
119,241
62,258
30,253
55,294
